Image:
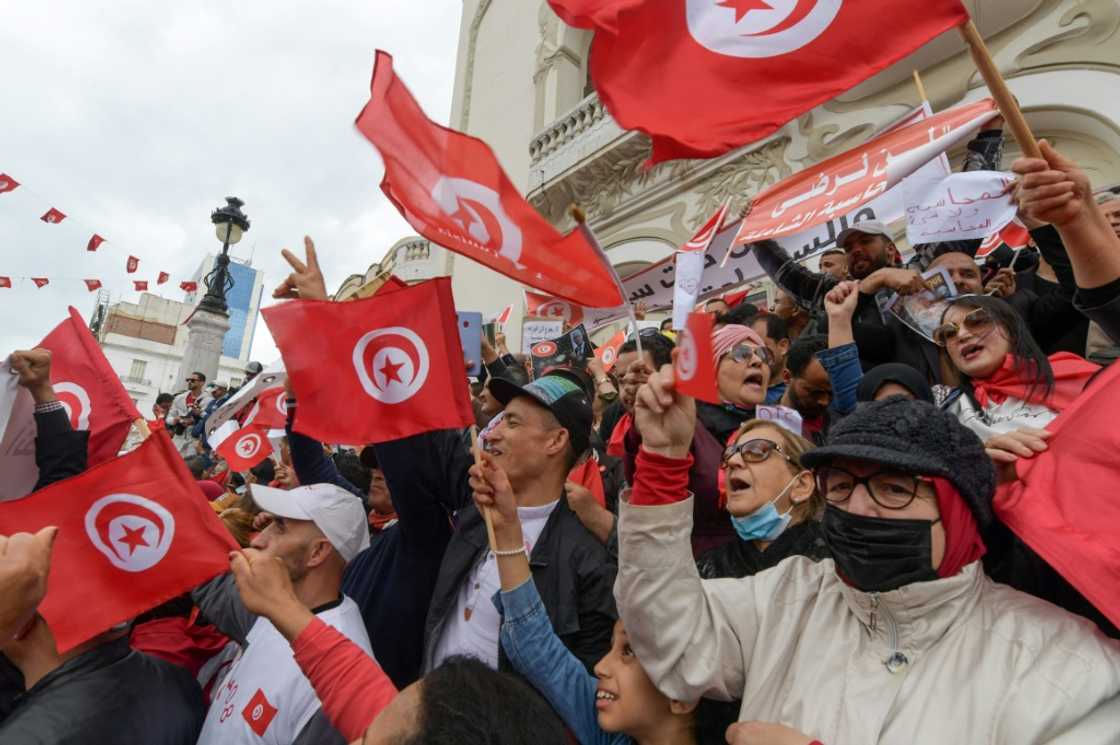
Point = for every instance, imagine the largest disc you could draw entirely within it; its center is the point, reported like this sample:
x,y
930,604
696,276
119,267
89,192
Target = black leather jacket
x,y
739,558
110,694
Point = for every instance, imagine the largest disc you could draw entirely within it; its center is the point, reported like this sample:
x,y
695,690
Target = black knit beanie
x,y
916,437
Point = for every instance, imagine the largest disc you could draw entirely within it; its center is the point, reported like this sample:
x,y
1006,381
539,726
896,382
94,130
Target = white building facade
x,y
145,341
522,86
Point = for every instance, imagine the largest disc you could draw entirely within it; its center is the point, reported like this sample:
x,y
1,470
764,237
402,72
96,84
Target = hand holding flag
x,y
693,359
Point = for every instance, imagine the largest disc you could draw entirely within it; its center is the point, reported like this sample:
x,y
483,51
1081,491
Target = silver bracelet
x,y
511,552
48,406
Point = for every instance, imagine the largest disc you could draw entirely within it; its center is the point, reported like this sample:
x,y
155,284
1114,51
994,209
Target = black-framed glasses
x,y
891,490
754,451
979,323
742,352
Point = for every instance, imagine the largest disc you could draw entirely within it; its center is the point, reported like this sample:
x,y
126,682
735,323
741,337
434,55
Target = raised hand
x,y
665,418
492,491
1052,188
841,300
25,563
266,590
306,282
1001,285
34,369
1006,449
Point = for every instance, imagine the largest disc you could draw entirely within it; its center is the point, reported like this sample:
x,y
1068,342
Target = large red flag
x,y
376,369
693,362
729,72
133,533
270,410
452,190
546,306
88,387
1064,504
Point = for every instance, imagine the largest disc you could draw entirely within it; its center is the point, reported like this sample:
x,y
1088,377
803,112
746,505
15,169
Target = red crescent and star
x,y
742,7
133,537
390,369
469,210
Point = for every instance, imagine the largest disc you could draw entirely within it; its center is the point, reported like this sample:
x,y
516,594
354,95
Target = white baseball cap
x,y
867,227
335,511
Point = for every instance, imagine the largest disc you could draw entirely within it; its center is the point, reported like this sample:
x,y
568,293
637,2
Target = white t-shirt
x,y
474,625
265,698
999,419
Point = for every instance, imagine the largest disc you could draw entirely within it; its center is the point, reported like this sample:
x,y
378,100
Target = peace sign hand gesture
x,y
306,282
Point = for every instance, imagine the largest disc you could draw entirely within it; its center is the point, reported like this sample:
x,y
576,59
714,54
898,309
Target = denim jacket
x,y
536,652
844,370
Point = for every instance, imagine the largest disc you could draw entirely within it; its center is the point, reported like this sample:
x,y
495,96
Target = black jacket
x,y
573,571
110,694
738,558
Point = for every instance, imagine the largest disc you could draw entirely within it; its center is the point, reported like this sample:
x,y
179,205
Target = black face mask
x,y
879,554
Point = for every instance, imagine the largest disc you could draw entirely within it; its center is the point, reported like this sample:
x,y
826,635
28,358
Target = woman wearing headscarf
x,y
772,500
742,364
900,637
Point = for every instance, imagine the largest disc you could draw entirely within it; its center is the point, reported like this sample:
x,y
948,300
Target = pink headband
x,y
723,339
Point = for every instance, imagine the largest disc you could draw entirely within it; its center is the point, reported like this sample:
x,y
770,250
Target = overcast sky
x,y
137,123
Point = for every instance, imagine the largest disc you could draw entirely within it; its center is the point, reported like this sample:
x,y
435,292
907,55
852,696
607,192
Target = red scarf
x,y
963,544
617,446
381,520
1071,373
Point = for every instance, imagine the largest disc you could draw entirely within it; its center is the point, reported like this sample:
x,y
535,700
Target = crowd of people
x,y
616,562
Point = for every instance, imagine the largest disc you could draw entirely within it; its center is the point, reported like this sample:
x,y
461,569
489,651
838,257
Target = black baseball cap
x,y
559,392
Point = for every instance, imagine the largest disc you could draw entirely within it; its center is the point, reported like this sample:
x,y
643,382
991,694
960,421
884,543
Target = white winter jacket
x,y
948,662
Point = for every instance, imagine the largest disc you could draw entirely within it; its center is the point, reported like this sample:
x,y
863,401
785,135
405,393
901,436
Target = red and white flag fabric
x,y
705,53
242,447
693,366
132,264
1014,235
188,286
269,410
450,187
608,353
140,284
6,282
399,368
1064,504
690,261
7,183
503,318
133,533
92,284
553,308
53,216
94,242
41,282
163,277
842,183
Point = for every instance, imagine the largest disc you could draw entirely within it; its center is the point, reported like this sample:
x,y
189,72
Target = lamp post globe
x,y
230,223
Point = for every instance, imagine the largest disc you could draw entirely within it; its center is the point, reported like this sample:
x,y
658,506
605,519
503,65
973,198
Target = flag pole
x,y
581,219
486,516
921,88
1008,107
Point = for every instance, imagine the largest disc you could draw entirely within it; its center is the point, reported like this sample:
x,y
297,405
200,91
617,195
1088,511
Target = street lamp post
x,y
230,223
209,322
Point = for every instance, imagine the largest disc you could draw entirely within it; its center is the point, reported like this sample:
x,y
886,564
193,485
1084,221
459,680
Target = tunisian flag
x,y
41,282
133,533
702,77
53,216
92,284
376,369
94,242
1064,504
7,183
608,353
693,363
546,306
242,447
1014,234
132,264
452,190
269,410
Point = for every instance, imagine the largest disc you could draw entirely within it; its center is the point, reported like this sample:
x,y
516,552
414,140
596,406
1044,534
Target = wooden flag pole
x,y
1008,107
921,88
486,516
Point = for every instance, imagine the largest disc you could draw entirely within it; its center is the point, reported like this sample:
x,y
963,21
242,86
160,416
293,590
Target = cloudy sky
x,y
137,123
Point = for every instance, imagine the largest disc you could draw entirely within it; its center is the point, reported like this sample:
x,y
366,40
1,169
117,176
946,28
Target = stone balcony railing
x,y
135,380
571,138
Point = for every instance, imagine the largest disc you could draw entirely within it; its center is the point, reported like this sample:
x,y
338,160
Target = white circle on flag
x,y
258,712
686,356
544,349
75,401
558,309
785,27
396,372
249,445
134,533
478,210
609,355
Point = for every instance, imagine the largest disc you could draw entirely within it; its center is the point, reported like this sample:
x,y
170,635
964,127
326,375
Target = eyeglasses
x,y
743,352
754,451
979,323
890,490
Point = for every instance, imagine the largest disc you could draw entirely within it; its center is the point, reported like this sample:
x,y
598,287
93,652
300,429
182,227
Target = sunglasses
x,y
193,380
743,352
979,323
754,451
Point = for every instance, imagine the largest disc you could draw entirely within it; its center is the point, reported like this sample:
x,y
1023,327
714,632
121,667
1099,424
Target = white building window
x,y
136,372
